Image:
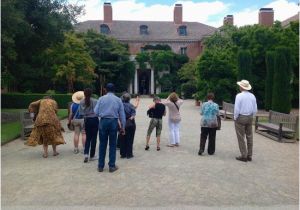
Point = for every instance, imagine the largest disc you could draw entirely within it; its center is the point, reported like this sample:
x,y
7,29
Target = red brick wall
x,y
107,11
266,18
193,48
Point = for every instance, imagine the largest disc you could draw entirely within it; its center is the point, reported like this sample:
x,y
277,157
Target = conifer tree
x,y
281,100
244,65
270,56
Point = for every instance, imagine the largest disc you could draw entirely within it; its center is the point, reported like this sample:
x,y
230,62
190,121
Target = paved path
x,y
173,178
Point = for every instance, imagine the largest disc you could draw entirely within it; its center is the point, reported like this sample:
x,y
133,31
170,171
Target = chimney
x,y
266,16
228,20
178,14
107,9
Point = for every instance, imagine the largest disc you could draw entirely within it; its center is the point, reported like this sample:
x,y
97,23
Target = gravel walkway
x,y
173,178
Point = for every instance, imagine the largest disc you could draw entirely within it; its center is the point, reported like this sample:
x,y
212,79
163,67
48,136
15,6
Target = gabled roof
x,y
286,22
157,30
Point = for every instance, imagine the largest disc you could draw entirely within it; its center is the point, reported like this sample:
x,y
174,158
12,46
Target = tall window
x,y
182,31
143,30
104,29
183,50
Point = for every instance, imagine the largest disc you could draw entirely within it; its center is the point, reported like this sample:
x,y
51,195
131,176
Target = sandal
x,y
158,148
45,156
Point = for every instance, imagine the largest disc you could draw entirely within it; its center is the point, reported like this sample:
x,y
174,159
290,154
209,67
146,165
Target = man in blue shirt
x,y
110,109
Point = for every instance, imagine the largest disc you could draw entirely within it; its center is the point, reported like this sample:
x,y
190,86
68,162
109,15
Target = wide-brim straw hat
x,y
77,97
244,84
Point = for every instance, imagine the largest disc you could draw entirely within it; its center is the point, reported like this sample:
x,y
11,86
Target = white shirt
x,y
245,104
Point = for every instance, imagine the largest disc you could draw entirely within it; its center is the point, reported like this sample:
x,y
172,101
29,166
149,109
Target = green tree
x,y
72,62
281,100
217,73
270,59
111,58
244,65
28,28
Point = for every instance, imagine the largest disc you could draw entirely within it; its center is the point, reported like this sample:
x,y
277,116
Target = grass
x,y
12,130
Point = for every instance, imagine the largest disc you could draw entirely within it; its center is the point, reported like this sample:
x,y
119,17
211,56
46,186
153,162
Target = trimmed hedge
x,y
22,101
163,95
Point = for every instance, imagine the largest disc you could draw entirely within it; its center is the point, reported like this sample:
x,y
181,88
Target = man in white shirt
x,y
245,108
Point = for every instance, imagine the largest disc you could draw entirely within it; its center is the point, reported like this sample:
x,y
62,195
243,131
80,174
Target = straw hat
x,y
77,97
244,84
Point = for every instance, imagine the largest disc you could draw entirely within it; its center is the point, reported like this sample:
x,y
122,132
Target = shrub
x,y
163,95
22,101
188,89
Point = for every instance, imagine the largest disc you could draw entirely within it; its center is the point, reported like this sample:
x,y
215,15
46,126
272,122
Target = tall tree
x,y
72,62
270,64
111,58
244,65
281,100
29,27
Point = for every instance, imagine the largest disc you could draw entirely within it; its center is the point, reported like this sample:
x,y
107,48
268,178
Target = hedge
x,y
22,101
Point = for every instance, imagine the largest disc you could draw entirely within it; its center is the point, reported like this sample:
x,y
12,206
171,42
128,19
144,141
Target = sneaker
x,y
147,147
100,169
76,151
113,169
86,159
93,158
200,153
249,158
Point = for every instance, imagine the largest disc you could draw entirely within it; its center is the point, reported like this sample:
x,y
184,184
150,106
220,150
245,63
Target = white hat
x,y
77,97
244,84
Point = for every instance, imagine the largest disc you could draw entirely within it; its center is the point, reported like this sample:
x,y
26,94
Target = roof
x,y
157,30
286,22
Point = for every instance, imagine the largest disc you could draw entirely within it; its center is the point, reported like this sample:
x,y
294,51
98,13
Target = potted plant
x,y
197,98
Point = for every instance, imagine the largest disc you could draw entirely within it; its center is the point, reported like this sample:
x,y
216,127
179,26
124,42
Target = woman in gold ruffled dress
x,y
47,128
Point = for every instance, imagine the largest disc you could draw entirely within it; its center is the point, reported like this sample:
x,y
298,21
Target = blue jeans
x,y
91,130
108,128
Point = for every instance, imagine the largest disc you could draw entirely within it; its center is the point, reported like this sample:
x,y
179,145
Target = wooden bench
x,y
26,124
281,127
227,110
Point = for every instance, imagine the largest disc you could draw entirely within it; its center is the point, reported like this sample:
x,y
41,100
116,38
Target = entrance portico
x,y
143,82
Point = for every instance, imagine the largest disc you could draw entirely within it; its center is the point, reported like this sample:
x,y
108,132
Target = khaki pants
x,y
243,125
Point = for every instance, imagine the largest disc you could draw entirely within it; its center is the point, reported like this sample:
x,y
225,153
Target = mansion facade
x,y
183,38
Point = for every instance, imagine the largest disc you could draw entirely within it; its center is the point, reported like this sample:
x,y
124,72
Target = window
x,y
183,50
182,31
143,30
104,29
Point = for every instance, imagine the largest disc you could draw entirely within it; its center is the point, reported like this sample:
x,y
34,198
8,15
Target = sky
x,y
210,12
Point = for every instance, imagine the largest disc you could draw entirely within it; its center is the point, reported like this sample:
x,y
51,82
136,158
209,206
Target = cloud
x,y
210,13
282,10
131,10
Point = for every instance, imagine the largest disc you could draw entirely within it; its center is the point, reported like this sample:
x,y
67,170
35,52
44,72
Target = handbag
x,y
71,126
219,122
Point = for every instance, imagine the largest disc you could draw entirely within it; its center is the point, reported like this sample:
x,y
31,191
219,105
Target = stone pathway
x,y
173,178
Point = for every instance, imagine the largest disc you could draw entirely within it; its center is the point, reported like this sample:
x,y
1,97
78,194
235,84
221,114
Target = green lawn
x,y
12,130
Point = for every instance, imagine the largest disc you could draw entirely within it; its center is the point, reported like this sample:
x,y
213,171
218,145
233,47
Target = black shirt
x,y
159,110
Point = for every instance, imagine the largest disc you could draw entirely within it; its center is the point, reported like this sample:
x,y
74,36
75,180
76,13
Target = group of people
x,y
111,115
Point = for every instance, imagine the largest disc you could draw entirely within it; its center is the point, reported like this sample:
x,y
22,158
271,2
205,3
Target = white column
x,y
130,87
152,81
136,82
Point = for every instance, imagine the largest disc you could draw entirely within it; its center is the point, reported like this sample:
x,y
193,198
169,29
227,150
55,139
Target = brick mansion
x,y
182,37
